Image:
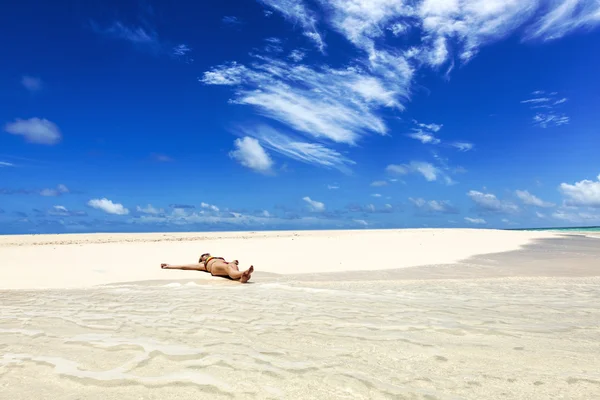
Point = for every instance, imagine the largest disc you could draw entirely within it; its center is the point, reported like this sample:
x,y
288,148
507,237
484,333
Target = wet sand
x,y
518,324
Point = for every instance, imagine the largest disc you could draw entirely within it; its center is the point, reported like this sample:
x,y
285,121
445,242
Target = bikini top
x,y
210,258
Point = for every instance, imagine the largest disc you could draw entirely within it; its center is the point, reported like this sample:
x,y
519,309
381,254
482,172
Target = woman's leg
x,y
222,268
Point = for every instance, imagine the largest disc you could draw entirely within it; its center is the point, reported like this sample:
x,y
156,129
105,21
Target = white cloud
x,y
488,202
376,195
343,104
463,146
183,217
333,187
231,20
465,25
550,119
540,215
549,102
306,152
585,193
531,200
361,222
6,164
297,55
298,13
430,127
429,171
251,154
425,133
379,183
576,216
434,206
149,209
108,206
31,83
227,74
476,221
424,137
60,189
397,169
565,16
137,35
181,50
338,105
209,207
35,130
142,38
316,206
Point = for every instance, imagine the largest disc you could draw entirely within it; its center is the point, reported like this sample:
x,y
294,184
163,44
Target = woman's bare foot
x,y
246,274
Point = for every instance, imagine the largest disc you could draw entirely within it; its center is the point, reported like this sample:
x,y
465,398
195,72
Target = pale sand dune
x,y
67,261
517,316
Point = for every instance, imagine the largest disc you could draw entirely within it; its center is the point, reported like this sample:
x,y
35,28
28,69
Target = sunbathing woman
x,y
217,266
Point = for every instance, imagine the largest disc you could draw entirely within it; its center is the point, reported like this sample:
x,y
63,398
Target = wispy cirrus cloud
x,y
429,171
297,149
143,38
345,104
546,107
231,20
464,25
296,12
6,164
426,134
335,104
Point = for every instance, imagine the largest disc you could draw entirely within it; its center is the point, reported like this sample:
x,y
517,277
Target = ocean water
x,y
568,229
516,338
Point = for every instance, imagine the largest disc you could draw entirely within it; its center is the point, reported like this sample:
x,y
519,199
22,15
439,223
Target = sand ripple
x,y
512,338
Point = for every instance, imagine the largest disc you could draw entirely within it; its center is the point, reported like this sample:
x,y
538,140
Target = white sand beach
x,y
402,314
71,261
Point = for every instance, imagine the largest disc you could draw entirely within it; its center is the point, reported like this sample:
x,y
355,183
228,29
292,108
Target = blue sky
x,y
299,114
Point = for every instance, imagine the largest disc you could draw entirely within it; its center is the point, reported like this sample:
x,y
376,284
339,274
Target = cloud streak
x,y
427,170
545,106
297,149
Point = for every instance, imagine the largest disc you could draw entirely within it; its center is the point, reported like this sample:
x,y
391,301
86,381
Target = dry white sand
x,y
67,261
343,336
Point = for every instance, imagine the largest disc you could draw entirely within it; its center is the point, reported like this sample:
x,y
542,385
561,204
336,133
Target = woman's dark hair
x,y
202,256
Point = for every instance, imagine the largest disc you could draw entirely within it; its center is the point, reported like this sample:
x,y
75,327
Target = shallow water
x,y
446,339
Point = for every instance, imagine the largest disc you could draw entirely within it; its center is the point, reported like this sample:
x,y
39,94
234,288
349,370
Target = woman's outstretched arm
x,y
186,267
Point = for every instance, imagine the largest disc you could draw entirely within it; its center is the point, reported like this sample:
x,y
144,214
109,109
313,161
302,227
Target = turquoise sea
x,y
578,229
